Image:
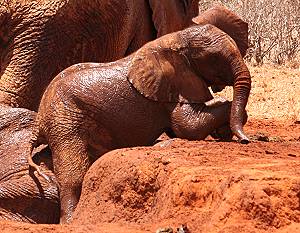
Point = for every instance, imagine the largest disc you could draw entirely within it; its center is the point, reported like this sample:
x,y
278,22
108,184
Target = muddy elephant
x,y
227,21
23,197
38,39
91,108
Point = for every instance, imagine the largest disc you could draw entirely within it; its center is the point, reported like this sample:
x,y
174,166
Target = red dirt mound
x,y
210,186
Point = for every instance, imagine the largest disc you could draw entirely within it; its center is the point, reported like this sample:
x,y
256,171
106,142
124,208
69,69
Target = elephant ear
x,y
164,76
228,22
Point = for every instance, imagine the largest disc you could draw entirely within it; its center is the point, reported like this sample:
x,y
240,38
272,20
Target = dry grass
x,y
275,93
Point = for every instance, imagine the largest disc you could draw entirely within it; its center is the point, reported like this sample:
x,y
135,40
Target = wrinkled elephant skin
x,y
22,197
38,39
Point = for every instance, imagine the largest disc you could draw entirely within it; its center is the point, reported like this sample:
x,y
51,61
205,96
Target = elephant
x,y
227,21
92,108
22,198
38,39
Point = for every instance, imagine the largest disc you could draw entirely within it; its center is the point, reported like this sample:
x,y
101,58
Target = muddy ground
x,y
209,186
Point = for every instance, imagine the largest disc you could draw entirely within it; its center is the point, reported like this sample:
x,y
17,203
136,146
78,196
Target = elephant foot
x,y
69,199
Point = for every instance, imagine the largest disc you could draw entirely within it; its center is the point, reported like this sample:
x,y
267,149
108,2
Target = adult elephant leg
x,y
71,162
197,121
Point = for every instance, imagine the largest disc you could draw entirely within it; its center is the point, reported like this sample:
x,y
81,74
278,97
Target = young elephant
x,y
90,108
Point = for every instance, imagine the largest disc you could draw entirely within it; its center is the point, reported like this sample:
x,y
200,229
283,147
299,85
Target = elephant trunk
x,y
241,91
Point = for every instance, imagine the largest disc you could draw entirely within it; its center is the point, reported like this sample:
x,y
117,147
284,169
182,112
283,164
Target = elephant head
x,y
173,15
237,29
189,61
228,22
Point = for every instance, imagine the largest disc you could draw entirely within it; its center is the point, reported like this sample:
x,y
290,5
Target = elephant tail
x,y
35,140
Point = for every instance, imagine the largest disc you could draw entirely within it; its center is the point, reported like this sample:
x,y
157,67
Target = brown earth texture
x,y
202,186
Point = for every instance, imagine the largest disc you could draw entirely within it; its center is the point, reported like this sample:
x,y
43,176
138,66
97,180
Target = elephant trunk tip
x,y
244,141
242,137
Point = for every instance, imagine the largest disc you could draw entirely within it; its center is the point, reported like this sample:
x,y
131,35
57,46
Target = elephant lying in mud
x,y
38,39
22,198
91,108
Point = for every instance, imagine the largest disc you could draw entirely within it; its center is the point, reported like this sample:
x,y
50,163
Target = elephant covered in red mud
x,y
23,197
92,108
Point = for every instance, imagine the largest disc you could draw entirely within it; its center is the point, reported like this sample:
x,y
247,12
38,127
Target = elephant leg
x,y
222,133
71,162
196,122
